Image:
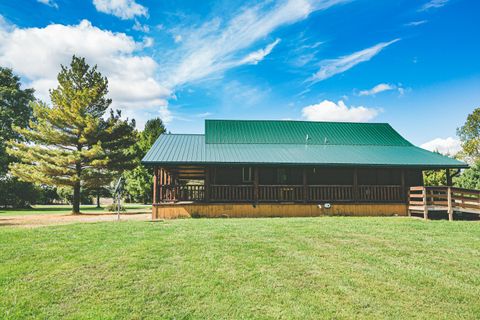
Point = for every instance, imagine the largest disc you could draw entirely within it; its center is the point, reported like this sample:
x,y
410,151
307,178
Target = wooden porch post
x,y
450,205
161,181
305,186
255,184
155,184
402,183
207,184
449,177
425,206
355,185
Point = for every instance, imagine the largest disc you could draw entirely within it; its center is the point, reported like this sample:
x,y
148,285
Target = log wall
x,y
238,210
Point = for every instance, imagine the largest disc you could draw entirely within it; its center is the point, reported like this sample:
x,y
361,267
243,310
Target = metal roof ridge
x,y
307,121
183,134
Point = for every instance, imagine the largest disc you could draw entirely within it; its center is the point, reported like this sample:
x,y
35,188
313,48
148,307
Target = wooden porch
x,y
424,200
170,187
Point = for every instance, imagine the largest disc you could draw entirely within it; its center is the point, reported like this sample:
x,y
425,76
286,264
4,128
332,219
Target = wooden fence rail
x,y
449,199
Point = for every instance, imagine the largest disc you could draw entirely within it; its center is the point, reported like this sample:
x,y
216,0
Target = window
x,y
247,174
282,176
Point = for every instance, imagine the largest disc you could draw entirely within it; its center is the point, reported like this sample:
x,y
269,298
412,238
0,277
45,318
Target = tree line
x,y
469,135
72,149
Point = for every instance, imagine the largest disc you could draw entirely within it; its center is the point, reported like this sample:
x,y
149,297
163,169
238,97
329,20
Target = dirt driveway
x,y
42,220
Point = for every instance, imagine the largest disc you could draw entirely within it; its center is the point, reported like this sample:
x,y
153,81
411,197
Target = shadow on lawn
x,y
443,215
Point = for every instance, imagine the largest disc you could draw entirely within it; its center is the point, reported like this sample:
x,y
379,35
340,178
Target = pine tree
x,y
72,144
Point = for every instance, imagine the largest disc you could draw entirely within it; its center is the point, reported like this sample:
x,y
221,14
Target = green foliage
x,y
153,129
435,178
139,184
470,178
74,146
469,135
139,181
114,207
17,194
15,110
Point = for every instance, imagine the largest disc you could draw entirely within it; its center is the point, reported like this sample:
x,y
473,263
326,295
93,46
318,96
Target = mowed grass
x,y
290,268
66,209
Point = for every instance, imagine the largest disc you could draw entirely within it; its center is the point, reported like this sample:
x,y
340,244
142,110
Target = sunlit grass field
x,y
66,209
290,268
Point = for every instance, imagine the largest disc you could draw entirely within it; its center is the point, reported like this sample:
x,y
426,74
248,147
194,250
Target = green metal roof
x,y
284,143
301,132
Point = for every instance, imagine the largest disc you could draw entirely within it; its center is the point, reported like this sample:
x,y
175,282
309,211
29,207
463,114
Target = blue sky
x,y
413,64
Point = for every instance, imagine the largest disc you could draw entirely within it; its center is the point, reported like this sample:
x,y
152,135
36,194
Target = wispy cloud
x,y
123,9
331,67
49,3
140,27
257,56
382,87
432,4
416,23
218,45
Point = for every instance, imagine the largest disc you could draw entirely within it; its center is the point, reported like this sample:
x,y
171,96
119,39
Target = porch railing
x,y
449,199
283,193
237,193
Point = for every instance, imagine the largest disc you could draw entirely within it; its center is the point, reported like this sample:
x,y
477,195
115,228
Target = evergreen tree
x,y
72,144
139,181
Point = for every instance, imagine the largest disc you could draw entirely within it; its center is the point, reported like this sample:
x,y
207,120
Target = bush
x,y
113,208
17,194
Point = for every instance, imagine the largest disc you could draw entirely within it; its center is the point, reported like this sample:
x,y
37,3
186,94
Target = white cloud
x,y
257,56
123,9
140,27
49,3
377,89
331,111
382,87
448,146
331,67
217,45
433,4
416,23
178,38
36,54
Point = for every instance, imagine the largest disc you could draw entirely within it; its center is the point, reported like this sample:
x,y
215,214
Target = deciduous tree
x,y
139,181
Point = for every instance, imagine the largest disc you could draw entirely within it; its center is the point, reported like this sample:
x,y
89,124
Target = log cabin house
x,y
244,168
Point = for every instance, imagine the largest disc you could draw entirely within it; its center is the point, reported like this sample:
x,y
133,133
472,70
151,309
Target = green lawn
x,y
291,268
65,209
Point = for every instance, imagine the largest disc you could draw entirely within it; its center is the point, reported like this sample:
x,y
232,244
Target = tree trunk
x,y
98,199
76,198
76,186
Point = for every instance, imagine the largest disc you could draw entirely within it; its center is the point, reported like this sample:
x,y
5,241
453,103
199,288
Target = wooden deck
x,y
450,199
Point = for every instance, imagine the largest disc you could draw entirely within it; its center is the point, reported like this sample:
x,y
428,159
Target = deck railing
x,y
237,193
449,199
330,193
282,193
